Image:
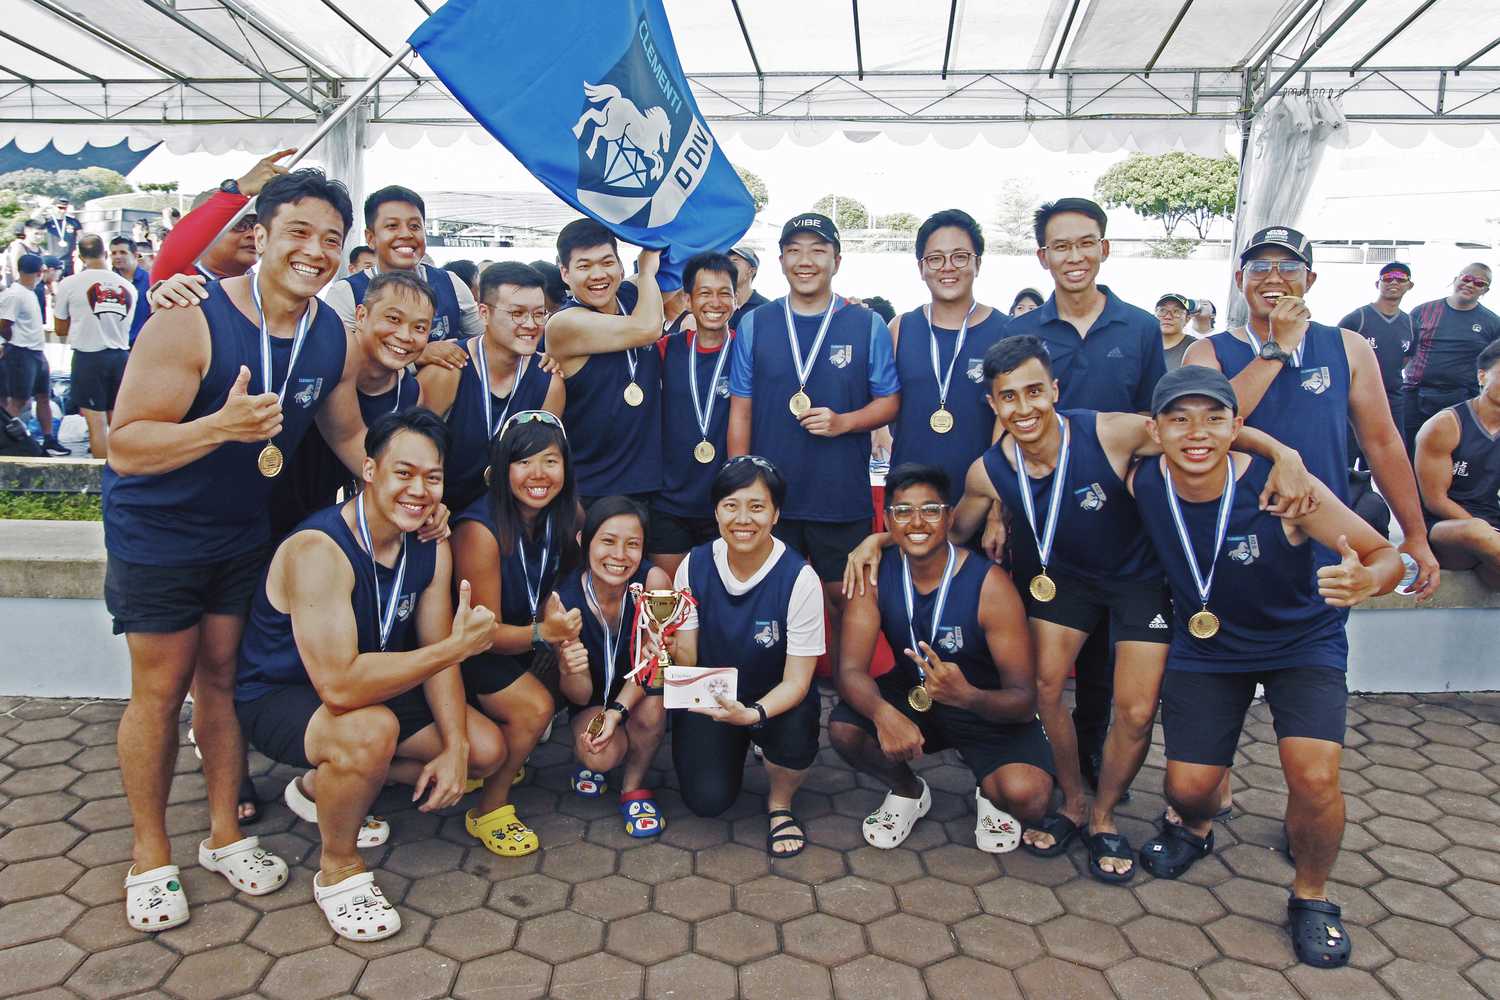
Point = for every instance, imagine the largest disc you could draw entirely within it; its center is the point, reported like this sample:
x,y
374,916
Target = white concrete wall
x,y
60,648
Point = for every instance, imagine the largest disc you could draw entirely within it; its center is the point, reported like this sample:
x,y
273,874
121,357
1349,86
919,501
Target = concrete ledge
x,y
1459,589
52,475
49,559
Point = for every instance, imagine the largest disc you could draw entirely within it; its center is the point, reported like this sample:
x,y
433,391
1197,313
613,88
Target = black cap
x,y
51,261
811,222
1280,236
1181,300
1395,265
748,255
1193,380
29,263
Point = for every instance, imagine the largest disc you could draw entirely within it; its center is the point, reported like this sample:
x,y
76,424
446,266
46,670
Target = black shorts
x,y
1202,713
675,533
164,599
488,673
709,756
824,544
276,723
1135,610
985,746
96,378
24,373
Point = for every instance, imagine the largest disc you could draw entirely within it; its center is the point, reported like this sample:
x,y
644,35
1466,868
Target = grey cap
x,y
748,255
1193,380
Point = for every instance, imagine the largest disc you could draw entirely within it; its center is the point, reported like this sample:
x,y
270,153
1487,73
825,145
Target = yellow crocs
x,y
502,833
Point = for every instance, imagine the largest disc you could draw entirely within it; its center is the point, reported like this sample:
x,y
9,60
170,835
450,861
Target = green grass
x,y
49,507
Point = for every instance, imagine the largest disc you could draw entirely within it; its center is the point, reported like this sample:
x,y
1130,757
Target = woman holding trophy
x,y
614,718
511,545
759,611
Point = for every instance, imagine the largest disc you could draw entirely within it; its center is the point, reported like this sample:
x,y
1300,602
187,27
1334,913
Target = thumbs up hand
x,y
472,625
244,417
557,623
1349,582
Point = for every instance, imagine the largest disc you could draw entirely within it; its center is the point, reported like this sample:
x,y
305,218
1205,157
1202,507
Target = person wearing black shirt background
x,y
1450,333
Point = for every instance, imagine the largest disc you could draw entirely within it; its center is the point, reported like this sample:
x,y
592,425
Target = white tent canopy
x,y
1094,74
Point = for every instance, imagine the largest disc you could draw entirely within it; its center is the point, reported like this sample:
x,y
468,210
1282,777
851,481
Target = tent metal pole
x,y
1390,37
1307,55
237,56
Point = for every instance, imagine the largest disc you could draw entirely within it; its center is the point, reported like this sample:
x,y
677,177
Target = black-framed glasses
x,y
1087,245
532,416
958,260
904,513
1289,268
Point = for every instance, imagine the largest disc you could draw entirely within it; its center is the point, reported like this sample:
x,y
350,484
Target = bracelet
x,y
615,706
756,726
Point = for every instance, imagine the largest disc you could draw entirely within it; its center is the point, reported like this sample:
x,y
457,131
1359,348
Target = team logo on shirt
x,y
839,355
950,638
721,387
1375,347
1091,497
1461,469
439,329
1405,347
1115,352
1477,328
1243,549
1317,380
767,634
403,610
311,389
641,149
108,300
975,371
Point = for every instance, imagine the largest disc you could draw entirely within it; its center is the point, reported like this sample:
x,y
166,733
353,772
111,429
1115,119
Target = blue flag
x,y
591,98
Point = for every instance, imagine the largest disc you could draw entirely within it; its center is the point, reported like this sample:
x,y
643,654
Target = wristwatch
x,y
757,726
231,186
1272,351
615,706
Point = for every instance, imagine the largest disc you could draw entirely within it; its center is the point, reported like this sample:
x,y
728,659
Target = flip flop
x,y
890,825
248,867
1174,850
643,820
1318,935
356,909
502,832
1062,831
778,835
995,830
1116,847
154,900
373,832
589,784
249,797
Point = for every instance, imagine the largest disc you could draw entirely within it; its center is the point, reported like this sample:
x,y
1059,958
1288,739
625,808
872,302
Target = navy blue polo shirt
x,y
1114,369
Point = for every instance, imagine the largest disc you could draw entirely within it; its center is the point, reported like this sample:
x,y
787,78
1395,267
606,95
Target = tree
x,y
78,186
166,187
1173,187
755,186
846,212
12,214
1013,229
901,222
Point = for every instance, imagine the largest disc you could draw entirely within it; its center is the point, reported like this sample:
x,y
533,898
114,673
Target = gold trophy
x,y
659,613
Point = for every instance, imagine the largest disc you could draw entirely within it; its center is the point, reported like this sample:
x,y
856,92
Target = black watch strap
x,y
615,706
763,717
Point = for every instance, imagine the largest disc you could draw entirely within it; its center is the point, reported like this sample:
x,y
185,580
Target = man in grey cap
x,y
746,265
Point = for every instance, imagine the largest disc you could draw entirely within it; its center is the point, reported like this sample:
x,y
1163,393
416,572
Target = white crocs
x,y
373,832
249,867
995,830
154,900
356,908
891,824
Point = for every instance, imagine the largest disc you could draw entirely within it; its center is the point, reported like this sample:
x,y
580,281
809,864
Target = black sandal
x,y
1115,847
778,835
1057,826
1173,850
1318,935
248,797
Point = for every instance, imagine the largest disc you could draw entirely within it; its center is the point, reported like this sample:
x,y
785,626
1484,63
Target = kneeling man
x,y
967,679
349,664
1251,611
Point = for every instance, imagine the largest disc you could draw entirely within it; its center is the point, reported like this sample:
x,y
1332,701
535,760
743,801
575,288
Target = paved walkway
x,y
703,914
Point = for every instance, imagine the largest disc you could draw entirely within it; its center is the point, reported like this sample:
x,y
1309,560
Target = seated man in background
x,y
1458,470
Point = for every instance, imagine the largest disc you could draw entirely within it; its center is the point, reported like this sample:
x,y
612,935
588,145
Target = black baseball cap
x,y
51,261
1395,265
1193,380
1280,236
811,222
1182,300
29,263
748,255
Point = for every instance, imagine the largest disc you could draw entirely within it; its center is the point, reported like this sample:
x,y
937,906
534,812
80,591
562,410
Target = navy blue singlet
x,y
1264,588
974,426
268,652
216,507
469,439
447,319
570,592
1476,467
685,480
959,638
747,631
515,600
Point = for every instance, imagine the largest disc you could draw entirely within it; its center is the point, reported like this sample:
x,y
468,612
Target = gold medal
x,y
595,726
1204,624
704,451
634,395
270,461
919,699
1042,587
941,420
800,403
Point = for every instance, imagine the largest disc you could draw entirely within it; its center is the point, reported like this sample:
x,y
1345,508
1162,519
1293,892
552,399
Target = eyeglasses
x,y
958,260
531,416
1290,268
1087,245
519,317
1478,283
1168,311
1394,278
902,513
243,224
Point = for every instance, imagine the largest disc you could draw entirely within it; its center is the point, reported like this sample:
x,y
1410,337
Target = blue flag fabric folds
x,y
592,99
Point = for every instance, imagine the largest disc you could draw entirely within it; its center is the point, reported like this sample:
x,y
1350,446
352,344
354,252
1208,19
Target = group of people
x,y
385,527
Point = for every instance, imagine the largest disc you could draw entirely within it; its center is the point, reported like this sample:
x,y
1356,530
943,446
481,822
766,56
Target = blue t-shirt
x,y
142,282
1114,369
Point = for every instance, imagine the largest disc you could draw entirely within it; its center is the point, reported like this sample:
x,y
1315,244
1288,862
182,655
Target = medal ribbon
x,y
805,369
909,592
1204,584
703,413
265,340
476,351
534,594
611,645
1059,487
385,617
943,380
1255,346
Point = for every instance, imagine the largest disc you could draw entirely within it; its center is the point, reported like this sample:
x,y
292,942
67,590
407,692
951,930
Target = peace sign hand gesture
x,y
945,681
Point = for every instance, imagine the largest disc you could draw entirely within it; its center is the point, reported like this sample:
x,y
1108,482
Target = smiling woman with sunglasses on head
x,y
511,544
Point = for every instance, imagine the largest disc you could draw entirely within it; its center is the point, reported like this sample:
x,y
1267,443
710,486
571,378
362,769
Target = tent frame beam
x,y
197,29
1306,56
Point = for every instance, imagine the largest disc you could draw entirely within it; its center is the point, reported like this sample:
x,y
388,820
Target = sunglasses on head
x,y
755,460
531,416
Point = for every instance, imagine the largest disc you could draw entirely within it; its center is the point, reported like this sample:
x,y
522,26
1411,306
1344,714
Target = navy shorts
x,y
276,723
1202,713
1135,610
163,599
674,533
24,373
824,544
984,746
709,756
96,378
491,672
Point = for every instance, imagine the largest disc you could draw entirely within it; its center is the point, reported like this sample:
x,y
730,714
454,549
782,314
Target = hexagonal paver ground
x,y
704,913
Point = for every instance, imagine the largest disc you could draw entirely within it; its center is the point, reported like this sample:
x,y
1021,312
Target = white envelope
x,y
696,687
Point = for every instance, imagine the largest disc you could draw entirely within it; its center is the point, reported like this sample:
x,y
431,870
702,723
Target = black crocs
x,y
1318,935
1173,850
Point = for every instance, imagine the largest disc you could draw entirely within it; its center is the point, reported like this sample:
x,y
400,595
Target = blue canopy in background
x,y
119,157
